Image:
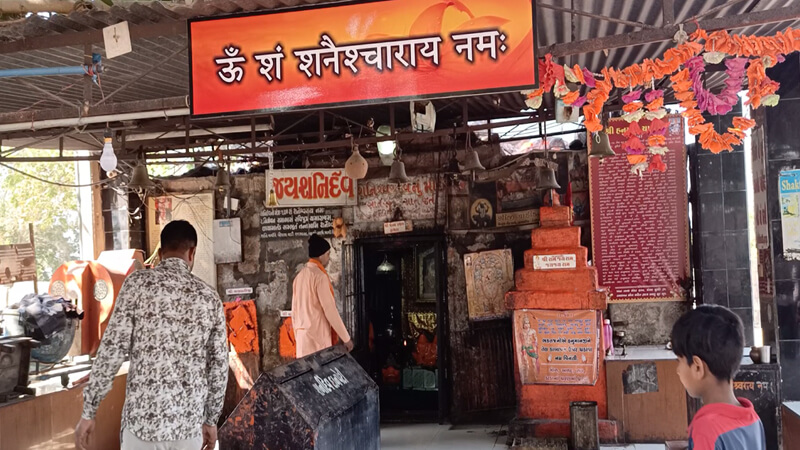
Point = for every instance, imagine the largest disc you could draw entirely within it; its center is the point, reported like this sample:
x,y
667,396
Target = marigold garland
x,y
760,52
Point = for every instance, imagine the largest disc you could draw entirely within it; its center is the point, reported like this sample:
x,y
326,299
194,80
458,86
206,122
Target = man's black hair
x,y
714,334
178,236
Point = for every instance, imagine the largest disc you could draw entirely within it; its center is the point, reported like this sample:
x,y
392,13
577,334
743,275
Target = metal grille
x,y
347,291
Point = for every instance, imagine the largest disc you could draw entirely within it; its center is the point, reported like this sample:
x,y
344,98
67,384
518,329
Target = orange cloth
x,y
314,310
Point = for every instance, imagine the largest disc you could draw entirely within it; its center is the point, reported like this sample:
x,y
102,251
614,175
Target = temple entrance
x,y
401,302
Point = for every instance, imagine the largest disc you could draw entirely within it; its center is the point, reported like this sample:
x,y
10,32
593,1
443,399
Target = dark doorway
x,y
401,306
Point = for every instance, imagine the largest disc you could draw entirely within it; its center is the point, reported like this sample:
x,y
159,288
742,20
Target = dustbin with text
x,y
324,401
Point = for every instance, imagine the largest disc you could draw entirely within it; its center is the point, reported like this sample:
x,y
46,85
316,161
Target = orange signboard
x,y
360,53
557,347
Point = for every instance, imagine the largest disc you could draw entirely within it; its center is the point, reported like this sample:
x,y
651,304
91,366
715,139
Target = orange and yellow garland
x,y
764,52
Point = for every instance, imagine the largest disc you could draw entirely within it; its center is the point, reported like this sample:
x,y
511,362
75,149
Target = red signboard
x,y
360,53
640,230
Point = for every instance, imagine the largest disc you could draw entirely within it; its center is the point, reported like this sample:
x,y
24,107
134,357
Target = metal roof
x,y
165,55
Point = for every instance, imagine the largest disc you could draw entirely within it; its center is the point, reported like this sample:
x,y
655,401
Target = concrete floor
x,y
473,437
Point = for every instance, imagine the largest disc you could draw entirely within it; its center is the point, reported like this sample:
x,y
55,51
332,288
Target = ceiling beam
x,y
81,38
776,15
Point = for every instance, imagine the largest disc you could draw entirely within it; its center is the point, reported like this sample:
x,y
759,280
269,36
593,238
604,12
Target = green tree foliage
x,y
52,209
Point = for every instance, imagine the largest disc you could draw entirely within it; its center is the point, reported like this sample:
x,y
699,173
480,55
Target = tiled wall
x,y
723,262
783,153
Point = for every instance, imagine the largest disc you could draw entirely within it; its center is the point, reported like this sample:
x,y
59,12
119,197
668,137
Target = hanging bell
x,y
272,200
223,183
547,179
356,166
472,161
140,180
601,146
398,172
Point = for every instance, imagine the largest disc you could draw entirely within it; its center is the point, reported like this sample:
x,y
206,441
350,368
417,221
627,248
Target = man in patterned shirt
x,y
173,327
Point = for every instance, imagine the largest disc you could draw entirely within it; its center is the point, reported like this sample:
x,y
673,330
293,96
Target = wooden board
x,y
48,421
656,414
791,429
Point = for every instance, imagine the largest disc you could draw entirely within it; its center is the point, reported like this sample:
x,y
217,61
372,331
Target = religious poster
x,y
557,347
489,276
639,214
483,205
789,191
309,58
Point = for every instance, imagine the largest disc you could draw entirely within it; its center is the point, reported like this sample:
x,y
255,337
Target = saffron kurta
x,y
314,311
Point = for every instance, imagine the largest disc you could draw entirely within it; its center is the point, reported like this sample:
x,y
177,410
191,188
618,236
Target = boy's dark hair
x,y
714,334
178,236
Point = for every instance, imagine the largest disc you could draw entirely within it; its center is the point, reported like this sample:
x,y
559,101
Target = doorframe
x,y
439,240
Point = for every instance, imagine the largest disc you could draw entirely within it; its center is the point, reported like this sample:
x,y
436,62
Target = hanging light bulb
x,y
356,166
386,149
108,160
386,267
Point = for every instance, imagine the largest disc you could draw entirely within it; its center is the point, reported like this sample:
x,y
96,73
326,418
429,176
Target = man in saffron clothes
x,y
314,313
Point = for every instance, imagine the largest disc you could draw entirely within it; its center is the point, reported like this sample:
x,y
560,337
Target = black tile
x,y
783,132
709,172
715,289
787,296
790,369
739,289
737,251
784,270
735,206
713,249
746,314
733,175
711,213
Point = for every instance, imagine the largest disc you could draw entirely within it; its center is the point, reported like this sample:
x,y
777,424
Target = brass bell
x,y
472,161
223,183
601,146
547,179
140,180
398,172
272,200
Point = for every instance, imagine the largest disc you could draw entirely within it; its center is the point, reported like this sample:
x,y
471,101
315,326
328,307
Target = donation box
x,y
324,401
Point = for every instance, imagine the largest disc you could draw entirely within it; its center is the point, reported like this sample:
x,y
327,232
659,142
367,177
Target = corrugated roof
x,y
169,77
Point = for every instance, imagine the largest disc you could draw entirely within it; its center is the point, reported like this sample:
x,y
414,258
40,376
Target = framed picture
x,y
426,275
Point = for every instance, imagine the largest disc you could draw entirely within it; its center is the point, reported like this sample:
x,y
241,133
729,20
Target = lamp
x,y
386,267
386,149
356,166
108,160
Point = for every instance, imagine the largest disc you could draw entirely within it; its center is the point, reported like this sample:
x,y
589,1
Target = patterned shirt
x,y
173,327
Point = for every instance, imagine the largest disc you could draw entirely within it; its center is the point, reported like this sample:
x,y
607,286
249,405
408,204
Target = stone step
x,y
550,237
557,300
523,430
540,444
578,280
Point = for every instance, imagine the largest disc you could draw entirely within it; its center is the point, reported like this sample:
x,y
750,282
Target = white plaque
x,y
239,291
117,39
554,262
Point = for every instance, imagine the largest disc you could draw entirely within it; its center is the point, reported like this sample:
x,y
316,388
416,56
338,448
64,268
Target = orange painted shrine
x,y
543,409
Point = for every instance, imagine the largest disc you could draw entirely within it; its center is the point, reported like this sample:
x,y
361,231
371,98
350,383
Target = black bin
x,y
324,401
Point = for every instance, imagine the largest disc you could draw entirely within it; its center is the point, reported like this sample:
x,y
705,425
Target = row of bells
x,y
600,148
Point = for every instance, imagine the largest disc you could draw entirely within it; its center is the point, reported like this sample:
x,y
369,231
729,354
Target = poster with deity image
x,y
557,347
489,276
